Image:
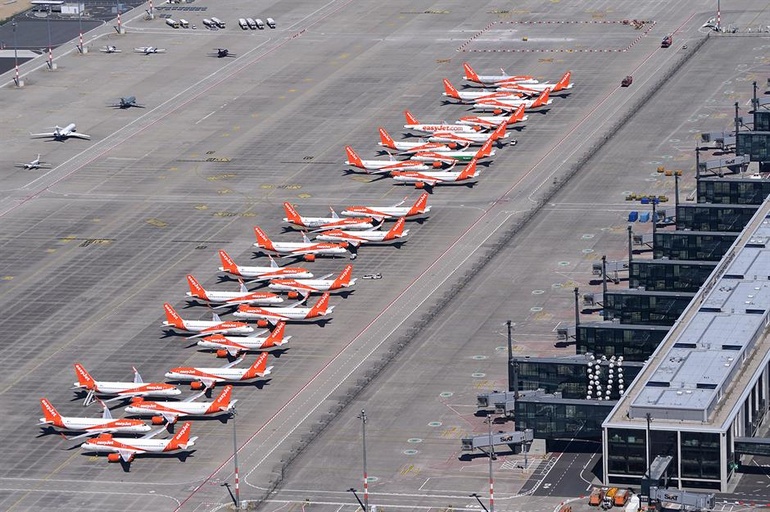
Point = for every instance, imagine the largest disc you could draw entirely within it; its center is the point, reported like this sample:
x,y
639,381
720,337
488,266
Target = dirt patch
x,y
10,8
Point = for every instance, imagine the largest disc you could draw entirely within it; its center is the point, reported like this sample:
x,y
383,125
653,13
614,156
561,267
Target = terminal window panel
x,y
700,455
733,191
569,379
680,277
626,451
696,218
561,421
683,246
632,344
644,309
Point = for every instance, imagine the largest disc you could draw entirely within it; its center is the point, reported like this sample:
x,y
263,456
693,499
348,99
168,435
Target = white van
x,y
252,23
184,23
260,23
270,22
243,23
172,23
219,23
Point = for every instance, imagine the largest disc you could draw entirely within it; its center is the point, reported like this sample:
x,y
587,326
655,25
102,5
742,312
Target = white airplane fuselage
x,y
240,342
213,374
439,127
266,273
216,297
99,424
134,388
177,409
132,445
205,325
301,247
311,285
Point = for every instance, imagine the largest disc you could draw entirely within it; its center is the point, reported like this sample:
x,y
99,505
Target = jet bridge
x,y
734,164
482,442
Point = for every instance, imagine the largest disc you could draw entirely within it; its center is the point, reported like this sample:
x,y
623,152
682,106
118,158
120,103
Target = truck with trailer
x,y
219,23
243,23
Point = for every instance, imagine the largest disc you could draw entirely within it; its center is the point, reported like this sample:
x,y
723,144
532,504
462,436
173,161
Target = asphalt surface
x,y
95,245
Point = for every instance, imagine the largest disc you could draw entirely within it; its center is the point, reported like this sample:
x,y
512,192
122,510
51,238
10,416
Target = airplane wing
x,y
79,135
230,365
191,398
41,135
148,435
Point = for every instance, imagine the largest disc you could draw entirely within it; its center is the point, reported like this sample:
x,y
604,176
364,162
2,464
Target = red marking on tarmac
x,y
437,260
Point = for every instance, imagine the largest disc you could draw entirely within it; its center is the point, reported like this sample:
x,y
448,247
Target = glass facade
x,y
692,245
645,308
568,376
627,451
669,275
700,455
732,191
562,419
633,342
714,217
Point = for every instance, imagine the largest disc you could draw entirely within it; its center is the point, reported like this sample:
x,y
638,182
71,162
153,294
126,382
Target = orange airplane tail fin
x,y
486,149
499,132
469,73
221,402
84,378
396,230
410,119
228,265
180,438
262,240
419,206
292,214
517,115
258,367
50,413
320,307
353,158
564,82
386,139
468,172
542,99
196,290
344,278
276,336
172,317
450,90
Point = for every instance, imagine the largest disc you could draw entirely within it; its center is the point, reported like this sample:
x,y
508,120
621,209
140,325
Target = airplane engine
x,y
293,295
453,145
477,128
221,353
497,111
437,165
261,323
309,257
196,386
136,399
419,185
157,420
104,436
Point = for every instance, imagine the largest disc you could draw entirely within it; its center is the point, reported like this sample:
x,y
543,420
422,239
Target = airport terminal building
x,y
704,391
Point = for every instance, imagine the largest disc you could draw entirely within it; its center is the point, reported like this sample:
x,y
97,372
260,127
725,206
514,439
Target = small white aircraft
x,y
499,106
225,299
90,426
261,273
61,134
170,412
286,314
35,164
492,121
209,377
406,148
203,327
413,124
420,207
430,179
306,249
109,49
535,89
381,166
147,50
472,96
374,235
497,80
307,286
121,390
235,346
124,449
322,223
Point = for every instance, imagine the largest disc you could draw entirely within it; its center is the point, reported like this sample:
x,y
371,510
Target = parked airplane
x,y
125,449
430,179
492,121
90,426
497,80
509,105
261,273
147,50
474,138
406,148
413,124
35,164
307,249
126,102
292,313
235,346
420,207
374,235
381,166
208,377
307,286
224,299
61,134
450,158
203,327
323,223
109,49
222,52
535,89
170,412
472,96
121,390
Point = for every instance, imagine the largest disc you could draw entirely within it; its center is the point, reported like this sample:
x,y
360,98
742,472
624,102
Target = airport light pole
x,y
80,25
478,498
15,53
362,417
50,51
357,498
233,414
491,457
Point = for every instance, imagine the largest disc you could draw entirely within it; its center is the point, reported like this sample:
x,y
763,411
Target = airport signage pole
x,y
362,417
233,413
15,53
50,51
491,478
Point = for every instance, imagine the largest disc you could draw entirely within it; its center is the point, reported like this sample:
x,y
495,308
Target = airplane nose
x,y
169,375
